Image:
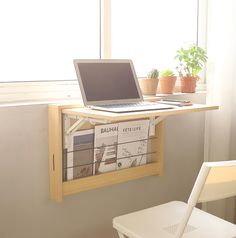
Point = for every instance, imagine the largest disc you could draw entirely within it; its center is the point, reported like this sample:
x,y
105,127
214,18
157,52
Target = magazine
x,y
105,148
132,143
80,154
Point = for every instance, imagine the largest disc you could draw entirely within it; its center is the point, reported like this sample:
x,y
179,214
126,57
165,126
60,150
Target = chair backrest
x,y
216,180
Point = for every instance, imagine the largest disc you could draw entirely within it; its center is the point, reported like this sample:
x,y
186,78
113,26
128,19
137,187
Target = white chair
x,y
216,180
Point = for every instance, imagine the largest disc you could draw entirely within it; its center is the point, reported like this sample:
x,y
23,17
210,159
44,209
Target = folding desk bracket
x,y
81,121
153,122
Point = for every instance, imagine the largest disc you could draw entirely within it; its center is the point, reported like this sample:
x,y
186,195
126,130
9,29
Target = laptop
x,y
112,85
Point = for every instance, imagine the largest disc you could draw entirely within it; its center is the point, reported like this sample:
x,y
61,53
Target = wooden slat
x,y
158,145
55,152
114,177
86,112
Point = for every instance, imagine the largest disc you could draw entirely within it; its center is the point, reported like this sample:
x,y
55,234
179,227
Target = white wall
x,y
25,208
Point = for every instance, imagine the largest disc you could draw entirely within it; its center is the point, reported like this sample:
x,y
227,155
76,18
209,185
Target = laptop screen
x,y
107,81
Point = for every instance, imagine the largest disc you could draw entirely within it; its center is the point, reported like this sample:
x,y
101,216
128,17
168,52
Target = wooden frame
x,y
60,188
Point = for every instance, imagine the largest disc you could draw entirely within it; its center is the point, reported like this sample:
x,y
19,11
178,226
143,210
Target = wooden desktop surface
x,y
110,116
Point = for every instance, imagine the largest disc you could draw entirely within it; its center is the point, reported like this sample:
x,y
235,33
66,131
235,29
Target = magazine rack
x,y
86,118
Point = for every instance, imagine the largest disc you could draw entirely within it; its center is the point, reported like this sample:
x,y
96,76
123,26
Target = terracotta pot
x,y
167,84
148,86
188,84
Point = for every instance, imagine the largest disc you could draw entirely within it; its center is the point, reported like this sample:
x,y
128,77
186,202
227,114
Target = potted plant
x,y
149,85
167,81
191,62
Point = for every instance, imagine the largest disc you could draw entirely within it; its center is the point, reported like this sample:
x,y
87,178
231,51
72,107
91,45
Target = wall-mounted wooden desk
x,y
57,113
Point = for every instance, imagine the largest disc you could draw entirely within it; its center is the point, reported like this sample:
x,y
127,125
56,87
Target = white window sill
x,y
25,93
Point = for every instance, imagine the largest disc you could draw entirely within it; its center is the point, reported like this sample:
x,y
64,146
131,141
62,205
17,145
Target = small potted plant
x,y
149,84
167,81
191,62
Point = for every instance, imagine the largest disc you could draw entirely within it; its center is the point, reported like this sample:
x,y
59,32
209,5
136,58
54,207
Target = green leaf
x,y
191,60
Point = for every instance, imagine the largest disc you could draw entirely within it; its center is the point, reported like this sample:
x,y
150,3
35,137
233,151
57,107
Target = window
x,y
40,38
150,31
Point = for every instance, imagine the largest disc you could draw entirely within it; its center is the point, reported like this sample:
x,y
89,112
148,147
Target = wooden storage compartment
x,y
153,167
57,112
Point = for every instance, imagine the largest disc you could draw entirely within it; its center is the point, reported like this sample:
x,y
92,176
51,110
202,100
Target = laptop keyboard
x,y
137,104
132,107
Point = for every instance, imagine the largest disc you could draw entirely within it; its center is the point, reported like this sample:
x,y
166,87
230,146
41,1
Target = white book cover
x,y
132,143
80,154
105,148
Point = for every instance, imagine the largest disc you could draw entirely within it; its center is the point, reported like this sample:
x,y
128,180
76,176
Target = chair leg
x,y
120,235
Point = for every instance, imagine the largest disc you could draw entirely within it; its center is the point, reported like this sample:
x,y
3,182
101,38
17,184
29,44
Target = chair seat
x,y
162,221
